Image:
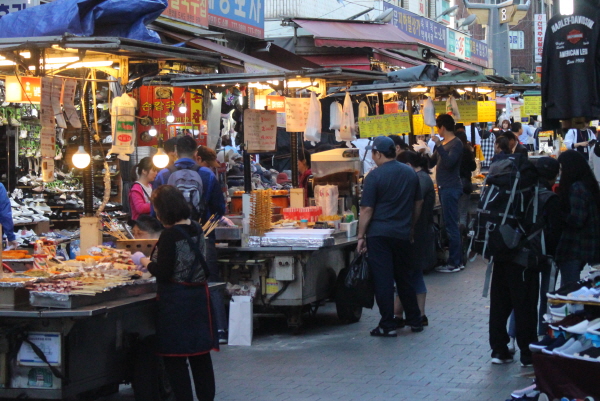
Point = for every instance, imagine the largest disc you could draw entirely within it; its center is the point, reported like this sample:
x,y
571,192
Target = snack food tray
x,y
67,301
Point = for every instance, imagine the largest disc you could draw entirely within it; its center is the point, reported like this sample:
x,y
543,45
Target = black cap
x,y
547,167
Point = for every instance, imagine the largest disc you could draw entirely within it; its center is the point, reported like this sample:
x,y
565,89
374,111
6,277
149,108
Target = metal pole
x,y
294,140
247,172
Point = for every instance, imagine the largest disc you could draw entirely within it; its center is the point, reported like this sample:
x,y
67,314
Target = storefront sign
x,y
468,111
23,89
276,103
69,103
459,45
390,108
516,40
486,111
418,125
424,30
532,105
260,130
296,114
156,102
244,16
48,132
12,6
386,124
191,11
539,30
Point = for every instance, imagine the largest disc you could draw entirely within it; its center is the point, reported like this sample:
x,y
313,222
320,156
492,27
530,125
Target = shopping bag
x,y
312,132
452,108
429,113
355,284
240,320
326,196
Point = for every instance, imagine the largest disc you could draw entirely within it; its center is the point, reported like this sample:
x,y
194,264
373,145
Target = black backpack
x,y
506,195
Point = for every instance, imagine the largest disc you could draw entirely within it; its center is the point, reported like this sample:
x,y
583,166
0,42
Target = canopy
x,y
426,72
117,18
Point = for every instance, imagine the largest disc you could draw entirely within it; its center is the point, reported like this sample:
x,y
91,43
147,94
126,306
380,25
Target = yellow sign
x,y
532,106
386,124
486,111
417,124
440,107
468,111
545,134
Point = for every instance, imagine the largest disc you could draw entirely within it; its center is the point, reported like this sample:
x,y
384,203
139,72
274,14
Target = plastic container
x,y
350,228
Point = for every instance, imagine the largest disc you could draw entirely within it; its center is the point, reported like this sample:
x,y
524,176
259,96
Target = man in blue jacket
x,y
6,219
213,198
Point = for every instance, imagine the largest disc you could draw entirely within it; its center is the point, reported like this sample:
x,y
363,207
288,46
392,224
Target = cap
x,y
384,144
208,156
282,178
547,167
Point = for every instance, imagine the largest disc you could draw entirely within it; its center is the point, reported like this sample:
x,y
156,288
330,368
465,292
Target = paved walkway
x,y
450,360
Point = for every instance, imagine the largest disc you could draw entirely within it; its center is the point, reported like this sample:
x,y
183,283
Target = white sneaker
x,y
447,269
511,346
582,327
579,295
594,328
577,346
570,342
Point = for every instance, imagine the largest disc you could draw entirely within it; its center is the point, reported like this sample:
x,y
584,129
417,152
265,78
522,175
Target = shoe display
x,y
563,347
578,346
568,288
540,345
447,269
582,327
580,295
558,342
594,328
499,358
568,321
591,354
563,310
525,392
380,332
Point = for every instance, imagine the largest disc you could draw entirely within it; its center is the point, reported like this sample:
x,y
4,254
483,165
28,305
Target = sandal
x,y
380,332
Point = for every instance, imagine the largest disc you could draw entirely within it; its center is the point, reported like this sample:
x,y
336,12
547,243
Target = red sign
x,y
276,103
124,138
192,11
390,108
155,103
574,36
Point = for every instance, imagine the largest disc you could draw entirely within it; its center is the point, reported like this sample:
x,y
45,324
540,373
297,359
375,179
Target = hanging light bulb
x,y
182,107
152,131
160,159
170,117
81,158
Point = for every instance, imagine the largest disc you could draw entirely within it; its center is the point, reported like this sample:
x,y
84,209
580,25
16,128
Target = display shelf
x,y
568,301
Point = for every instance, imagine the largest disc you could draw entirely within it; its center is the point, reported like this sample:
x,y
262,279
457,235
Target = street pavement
x,y
330,361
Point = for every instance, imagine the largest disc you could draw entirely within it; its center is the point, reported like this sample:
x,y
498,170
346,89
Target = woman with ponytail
x,y
141,190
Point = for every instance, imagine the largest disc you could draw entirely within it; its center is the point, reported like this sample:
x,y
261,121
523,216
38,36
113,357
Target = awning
x,y
396,59
334,33
271,53
180,26
251,64
458,65
360,61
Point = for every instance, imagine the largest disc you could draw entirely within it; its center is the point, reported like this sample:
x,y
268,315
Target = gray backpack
x,y
188,181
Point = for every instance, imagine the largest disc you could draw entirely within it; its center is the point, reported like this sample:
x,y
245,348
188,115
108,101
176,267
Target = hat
x,y
208,156
547,167
282,178
384,144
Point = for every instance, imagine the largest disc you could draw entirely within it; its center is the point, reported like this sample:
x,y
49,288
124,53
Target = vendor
x,y
146,227
141,190
304,168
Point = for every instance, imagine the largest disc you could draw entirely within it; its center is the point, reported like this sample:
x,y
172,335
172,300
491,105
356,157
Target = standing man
x,y
390,206
6,220
516,132
447,157
214,203
170,150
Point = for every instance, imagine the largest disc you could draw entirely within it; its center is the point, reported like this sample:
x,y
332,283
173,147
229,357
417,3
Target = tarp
x,y
426,72
120,18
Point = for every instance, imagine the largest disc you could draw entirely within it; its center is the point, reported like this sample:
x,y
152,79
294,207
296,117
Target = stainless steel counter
x,y
339,243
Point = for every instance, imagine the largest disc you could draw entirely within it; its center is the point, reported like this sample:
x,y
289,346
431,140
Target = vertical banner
x,y
69,102
57,91
48,132
539,30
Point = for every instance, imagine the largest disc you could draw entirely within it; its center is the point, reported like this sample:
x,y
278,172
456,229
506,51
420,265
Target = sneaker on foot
x,y
499,358
223,338
511,346
381,332
447,269
416,329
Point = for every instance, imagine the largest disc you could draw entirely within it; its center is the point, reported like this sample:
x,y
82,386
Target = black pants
x,y
389,261
202,372
513,288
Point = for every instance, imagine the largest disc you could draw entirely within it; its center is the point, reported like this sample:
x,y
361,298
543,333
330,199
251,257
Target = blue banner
x,y
244,16
426,31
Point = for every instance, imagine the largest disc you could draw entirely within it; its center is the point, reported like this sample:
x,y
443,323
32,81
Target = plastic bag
x,y
348,127
429,113
312,132
327,196
355,284
452,108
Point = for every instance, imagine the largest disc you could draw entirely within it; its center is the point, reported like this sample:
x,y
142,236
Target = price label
x,y
486,111
260,130
468,111
532,105
296,114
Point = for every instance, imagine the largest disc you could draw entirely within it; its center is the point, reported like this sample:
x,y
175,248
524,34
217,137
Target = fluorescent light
x,y
84,64
59,60
418,90
6,62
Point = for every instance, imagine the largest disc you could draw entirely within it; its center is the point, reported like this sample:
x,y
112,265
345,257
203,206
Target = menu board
x,y
296,114
386,124
468,111
418,124
260,130
486,111
440,107
532,106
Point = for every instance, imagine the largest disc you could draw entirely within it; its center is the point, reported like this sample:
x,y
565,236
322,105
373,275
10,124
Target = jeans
x,y
389,262
449,199
463,209
570,271
202,372
216,295
513,288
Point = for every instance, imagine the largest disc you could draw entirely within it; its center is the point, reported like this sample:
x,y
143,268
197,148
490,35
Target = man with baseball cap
x,y
390,206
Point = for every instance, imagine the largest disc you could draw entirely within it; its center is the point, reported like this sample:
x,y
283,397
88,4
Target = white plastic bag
x,y
327,196
335,119
240,320
123,126
429,113
312,132
363,109
348,127
452,108
509,109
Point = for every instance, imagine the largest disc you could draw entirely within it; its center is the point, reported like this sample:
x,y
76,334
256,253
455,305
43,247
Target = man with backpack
x,y
203,193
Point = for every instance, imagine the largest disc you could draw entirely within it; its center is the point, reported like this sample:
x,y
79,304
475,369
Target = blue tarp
x,y
120,18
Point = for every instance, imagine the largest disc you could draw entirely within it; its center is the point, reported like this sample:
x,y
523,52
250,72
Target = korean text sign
x,y
244,16
423,29
12,6
192,11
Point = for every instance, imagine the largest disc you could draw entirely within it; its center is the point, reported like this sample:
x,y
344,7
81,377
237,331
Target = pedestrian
x,y
579,197
501,147
304,168
390,207
488,141
6,220
401,146
467,166
171,151
526,136
579,139
141,190
423,255
184,328
447,157
206,157
504,126
516,129
213,203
